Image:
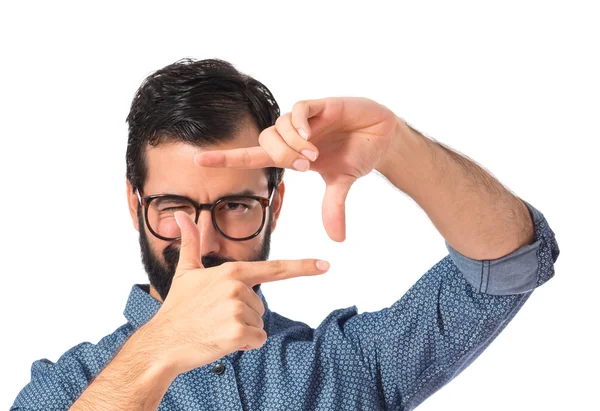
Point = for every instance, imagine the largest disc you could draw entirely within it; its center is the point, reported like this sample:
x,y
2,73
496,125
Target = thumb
x,y
189,252
334,208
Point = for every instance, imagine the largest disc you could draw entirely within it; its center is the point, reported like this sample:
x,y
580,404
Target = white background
x,y
514,86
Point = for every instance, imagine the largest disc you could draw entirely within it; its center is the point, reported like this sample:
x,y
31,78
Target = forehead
x,y
171,169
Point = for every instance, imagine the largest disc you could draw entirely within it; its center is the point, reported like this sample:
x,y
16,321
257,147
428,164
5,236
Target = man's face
x,y
171,170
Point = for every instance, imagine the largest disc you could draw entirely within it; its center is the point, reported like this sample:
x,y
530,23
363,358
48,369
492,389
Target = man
x,y
205,159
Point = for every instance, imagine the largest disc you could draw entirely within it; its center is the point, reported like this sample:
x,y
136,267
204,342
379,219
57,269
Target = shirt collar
x,y
141,306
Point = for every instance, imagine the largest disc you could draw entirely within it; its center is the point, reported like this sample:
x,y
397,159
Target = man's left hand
x,y
348,136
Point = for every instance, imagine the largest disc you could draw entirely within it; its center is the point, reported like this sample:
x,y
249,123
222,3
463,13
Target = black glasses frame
x,y
264,202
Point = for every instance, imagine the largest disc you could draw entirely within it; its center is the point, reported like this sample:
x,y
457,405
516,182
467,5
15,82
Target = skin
x,y
171,171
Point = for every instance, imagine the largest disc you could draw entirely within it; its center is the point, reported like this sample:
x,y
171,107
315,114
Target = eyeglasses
x,y
236,217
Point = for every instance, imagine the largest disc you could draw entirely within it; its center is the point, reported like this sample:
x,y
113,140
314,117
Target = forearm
x,y
136,379
473,211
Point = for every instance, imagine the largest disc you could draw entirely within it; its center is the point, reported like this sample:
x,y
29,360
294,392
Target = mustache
x,y
171,255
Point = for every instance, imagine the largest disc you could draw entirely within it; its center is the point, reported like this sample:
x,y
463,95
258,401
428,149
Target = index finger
x,y
247,157
257,272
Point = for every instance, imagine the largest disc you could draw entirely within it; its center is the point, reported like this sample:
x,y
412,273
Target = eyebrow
x,y
246,192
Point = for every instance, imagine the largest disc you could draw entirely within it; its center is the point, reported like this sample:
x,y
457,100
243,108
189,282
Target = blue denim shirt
x,y
390,359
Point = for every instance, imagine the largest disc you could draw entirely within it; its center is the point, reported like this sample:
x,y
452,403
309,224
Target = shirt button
x,y
219,369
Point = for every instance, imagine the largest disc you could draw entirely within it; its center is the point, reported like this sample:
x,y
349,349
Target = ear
x,y
277,203
132,202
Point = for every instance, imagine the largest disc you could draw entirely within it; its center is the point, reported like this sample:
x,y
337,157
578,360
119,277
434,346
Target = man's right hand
x,y
211,312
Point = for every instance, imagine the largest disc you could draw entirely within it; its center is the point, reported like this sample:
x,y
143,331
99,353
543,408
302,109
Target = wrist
x,y
159,360
136,378
404,163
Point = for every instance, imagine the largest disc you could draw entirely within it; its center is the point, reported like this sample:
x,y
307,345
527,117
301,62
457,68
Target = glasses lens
x,y
161,217
236,217
239,217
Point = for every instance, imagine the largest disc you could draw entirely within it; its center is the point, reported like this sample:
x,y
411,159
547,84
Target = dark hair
x,y
199,102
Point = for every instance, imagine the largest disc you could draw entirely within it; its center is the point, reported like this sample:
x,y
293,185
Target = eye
x,y
169,205
235,207
173,209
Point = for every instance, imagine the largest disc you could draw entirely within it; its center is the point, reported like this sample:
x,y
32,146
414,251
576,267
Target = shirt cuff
x,y
516,273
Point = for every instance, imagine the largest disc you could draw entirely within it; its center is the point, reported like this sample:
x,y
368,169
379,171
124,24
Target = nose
x,y
209,240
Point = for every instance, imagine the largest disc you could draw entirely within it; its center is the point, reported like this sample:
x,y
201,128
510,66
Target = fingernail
x,y
303,133
309,154
322,265
301,164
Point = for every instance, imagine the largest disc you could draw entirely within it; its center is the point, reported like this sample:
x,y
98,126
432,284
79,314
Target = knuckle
x,y
231,268
262,137
247,159
237,290
238,309
282,120
276,266
238,333
279,121
269,130
299,105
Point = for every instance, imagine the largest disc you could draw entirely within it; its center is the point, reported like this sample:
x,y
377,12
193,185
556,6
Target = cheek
x,y
156,244
243,250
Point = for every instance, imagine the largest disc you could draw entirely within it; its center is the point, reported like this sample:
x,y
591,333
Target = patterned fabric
x,y
390,359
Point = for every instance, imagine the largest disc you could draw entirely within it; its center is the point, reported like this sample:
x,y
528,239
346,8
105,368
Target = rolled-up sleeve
x,y
447,318
518,272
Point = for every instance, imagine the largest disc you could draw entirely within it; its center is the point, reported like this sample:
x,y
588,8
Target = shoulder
x,y
63,381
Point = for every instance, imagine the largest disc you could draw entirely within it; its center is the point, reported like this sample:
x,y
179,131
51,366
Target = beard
x,y
161,277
